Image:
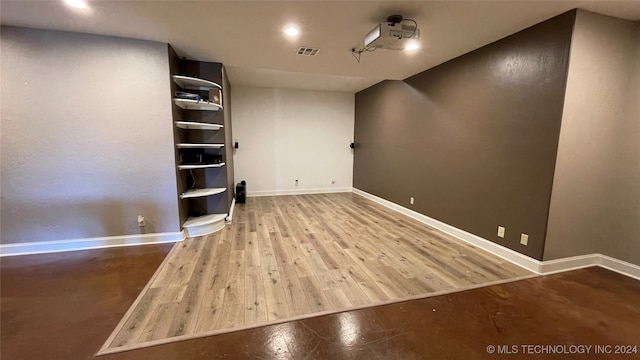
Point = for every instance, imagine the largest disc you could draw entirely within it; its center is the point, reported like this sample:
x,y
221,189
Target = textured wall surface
x,y
472,140
86,136
286,135
595,207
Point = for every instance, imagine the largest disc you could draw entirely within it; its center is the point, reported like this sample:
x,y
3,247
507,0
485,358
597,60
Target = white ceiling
x,y
247,35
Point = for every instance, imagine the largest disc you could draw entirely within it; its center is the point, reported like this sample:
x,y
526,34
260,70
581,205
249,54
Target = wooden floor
x,y
292,256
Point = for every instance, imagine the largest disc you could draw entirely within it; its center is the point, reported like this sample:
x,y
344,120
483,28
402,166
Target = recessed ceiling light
x,y
412,46
78,4
291,31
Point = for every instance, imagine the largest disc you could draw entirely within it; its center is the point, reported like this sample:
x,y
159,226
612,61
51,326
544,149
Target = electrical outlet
x,y
524,239
296,182
140,220
333,181
411,200
501,230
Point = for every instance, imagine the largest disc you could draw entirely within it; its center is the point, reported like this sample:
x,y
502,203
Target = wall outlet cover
x,y
501,231
524,239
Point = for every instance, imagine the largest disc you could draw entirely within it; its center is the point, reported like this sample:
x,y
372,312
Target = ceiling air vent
x,y
308,51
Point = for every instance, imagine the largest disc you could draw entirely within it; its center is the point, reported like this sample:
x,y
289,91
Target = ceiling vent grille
x,y
308,51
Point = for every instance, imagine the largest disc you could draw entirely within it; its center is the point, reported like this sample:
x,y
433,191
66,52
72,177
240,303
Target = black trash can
x,y
241,192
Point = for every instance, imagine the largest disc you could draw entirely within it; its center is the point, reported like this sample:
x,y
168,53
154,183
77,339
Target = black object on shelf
x,y
198,157
241,192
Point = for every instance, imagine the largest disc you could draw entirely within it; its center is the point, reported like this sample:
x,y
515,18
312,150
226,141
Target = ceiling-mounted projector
x,y
395,34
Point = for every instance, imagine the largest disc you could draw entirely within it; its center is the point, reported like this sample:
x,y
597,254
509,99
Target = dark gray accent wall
x,y
176,113
473,140
228,136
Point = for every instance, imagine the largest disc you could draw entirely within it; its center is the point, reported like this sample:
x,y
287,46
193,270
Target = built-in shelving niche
x,y
203,204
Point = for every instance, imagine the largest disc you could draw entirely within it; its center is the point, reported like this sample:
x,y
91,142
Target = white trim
x,y
566,264
297,191
582,261
619,266
204,225
205,229
88,243
229,218
539,267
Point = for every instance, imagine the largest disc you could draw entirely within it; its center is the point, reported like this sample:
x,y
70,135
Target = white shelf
x,y
193,193
189,104
203,225
197,125
198,146
189,167
192,83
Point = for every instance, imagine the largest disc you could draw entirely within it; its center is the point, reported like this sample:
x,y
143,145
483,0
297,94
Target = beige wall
x,y
86,136
287,135
595,203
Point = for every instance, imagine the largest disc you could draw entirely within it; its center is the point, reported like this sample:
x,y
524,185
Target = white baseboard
x,y
582,261
539,267
297,191
566,264
229,218
88,243
619,266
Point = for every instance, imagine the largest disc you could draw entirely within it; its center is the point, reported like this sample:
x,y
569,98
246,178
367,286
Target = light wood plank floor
x,y
290,256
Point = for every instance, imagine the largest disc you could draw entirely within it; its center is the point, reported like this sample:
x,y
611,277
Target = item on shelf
x,y
215,96
199,158
213,159
191,158
186,95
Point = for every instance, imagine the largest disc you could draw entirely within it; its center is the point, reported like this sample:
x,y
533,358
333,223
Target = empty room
x,y
319,179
